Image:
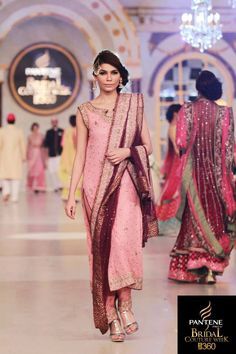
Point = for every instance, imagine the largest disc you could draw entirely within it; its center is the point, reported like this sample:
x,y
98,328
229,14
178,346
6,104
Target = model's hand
x,y
70,208
117,155
177,150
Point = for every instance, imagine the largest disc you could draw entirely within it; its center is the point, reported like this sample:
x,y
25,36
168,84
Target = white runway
x,y
45,301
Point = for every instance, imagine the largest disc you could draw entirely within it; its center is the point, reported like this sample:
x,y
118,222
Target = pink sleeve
x,y
181,129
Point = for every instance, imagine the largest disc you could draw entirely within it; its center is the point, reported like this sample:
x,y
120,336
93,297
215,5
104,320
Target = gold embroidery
x,y
125,305
208,233
189,119
229,153
126,281
217,155
106,114
111,315
82,109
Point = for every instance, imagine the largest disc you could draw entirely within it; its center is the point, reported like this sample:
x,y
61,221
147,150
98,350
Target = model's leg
x,y
125,309
111,307
116,331
53,168
57,181
15,188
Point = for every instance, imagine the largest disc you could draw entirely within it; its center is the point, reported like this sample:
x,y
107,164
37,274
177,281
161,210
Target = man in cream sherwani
x,y
12,156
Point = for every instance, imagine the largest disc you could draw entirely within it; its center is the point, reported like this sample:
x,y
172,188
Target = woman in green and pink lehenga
x,y
205,138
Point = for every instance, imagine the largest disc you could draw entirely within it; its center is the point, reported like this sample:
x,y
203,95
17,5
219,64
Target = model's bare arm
x,y
78,166
172,136
145,136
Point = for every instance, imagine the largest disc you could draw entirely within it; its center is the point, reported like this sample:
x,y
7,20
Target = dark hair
x,y
107,57
72,120
173,108
34,125
209,86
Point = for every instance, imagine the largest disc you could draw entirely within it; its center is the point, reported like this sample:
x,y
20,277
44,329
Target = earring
x,y
94,85
121,85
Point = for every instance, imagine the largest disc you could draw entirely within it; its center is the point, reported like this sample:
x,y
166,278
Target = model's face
x,y
108,77
35,129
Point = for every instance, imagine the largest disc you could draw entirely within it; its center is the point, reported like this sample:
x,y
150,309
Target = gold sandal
x,y
210,278
116,332
129,323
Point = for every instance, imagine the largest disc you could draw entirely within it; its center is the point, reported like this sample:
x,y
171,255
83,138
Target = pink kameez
x,y
125,262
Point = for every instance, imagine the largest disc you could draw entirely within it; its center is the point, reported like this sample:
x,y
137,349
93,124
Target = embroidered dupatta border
x,y
198,212
142,182
217,149
224,144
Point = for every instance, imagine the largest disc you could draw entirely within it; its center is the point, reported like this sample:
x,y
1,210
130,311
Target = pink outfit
x,y
205,135
125,262
170,196
118,204
36,172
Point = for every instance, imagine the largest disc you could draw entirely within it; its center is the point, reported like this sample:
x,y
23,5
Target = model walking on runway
x,y
113,144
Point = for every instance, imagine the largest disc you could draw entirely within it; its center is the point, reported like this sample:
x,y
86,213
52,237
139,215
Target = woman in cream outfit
x,y
12,156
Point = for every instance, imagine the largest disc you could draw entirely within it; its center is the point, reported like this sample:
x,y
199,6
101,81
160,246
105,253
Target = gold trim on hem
x,y
127,281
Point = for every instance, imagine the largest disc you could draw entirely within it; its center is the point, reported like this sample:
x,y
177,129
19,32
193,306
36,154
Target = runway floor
x,y
45,300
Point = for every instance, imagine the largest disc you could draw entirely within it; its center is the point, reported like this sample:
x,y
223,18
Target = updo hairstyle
x,y
209,86
107,57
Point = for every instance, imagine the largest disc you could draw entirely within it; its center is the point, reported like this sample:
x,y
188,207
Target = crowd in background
x,y
53,152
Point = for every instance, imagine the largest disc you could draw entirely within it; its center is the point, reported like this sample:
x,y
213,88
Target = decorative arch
x,y
54,11
118,27
169,63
